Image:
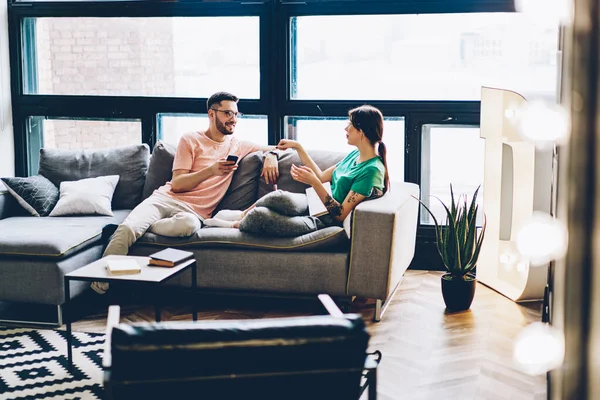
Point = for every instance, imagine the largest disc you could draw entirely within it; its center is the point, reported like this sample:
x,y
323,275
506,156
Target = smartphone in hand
x,y
232,158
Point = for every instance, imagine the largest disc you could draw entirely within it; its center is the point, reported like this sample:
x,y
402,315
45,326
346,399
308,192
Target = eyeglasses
x,y
229,113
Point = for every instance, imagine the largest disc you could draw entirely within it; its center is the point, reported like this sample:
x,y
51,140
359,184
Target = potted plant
x,y
458,243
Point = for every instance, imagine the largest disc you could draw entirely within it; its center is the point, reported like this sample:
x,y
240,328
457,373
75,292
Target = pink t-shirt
x,y
195,152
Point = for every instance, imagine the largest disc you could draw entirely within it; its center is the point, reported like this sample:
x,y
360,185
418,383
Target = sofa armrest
x,y
384,232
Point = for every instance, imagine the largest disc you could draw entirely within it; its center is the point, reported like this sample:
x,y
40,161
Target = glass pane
x,y
253,128
90,134
421,57
454,155
327,133
75,134
178,57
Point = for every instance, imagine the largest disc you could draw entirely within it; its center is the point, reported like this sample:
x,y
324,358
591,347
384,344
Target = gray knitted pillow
x,y
36,194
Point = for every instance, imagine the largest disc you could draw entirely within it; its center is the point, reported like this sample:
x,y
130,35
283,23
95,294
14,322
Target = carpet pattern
x,y
33,365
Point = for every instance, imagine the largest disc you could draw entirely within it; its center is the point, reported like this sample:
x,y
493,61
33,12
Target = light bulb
x,y
539,348
509,113
542,239
521,267
543,122
546,12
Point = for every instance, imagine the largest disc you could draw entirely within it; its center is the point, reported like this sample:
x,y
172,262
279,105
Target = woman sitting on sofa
x,y
362,174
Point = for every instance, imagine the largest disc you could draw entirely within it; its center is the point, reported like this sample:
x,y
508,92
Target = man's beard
x,y
222,128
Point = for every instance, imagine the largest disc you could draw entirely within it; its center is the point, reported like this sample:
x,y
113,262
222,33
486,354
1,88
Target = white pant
x,y
161,215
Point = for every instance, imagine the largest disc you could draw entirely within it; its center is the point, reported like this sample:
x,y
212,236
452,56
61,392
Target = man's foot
x,y
219,223
100,287
229,215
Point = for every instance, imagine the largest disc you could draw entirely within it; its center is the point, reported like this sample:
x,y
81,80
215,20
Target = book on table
x,y
316,208
169,257
124,266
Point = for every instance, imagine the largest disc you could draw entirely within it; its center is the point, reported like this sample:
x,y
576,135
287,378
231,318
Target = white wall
x,y
7,153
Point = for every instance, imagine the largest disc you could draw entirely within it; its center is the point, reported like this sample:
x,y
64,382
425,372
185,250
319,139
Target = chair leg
x,y
59,316
372,382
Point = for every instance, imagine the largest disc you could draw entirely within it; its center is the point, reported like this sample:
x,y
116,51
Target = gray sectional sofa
x,y
367,259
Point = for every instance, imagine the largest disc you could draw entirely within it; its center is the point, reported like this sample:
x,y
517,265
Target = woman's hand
x,y
285,144
304,174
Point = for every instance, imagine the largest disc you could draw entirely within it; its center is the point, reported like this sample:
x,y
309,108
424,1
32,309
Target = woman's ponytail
x,y
382,151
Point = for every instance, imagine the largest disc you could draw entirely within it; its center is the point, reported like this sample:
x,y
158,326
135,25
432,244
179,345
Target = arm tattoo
x,y
352,198
334,208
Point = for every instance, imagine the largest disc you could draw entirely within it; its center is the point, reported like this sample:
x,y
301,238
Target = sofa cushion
x,y
53,237
328,239
160,170
129,162
91,196
324,160
36,194
243,191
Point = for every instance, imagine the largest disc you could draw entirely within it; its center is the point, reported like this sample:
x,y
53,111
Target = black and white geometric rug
x,y
33,364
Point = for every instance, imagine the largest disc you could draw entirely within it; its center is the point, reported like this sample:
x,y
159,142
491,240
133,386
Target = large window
x,y
173,57
421,57
119,72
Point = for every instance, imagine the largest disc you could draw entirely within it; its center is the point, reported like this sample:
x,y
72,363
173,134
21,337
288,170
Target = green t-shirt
x,y
359,177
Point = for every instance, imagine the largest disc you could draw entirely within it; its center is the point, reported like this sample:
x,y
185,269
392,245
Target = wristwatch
x,y
275,153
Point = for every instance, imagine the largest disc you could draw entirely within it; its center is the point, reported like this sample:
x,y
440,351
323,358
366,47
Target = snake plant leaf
x,y
472,210
473,260
452,247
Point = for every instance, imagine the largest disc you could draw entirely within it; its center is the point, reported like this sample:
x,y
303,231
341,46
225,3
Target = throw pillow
x,y
86,196
36,194
242,192
160,170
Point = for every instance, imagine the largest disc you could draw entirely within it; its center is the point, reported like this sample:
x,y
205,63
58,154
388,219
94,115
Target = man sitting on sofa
x,y
201,176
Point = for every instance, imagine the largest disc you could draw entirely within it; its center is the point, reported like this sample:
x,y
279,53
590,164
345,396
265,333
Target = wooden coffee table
x,y
96,272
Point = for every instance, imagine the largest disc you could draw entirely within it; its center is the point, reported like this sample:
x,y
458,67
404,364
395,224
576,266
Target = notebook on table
x,y
123,267
316,208
169,257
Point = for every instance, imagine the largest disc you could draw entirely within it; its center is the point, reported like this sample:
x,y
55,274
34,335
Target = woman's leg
x,y
262,220
181,224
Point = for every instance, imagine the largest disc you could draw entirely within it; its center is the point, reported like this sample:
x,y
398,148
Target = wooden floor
x,y
427,353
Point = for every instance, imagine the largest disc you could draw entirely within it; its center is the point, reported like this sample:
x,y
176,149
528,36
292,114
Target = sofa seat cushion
x,y
328,239
54,237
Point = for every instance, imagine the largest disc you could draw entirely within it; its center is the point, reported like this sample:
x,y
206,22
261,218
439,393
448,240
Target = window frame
x,y
276,76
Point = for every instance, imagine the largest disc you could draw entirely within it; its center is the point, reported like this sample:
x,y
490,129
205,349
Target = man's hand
x,y
270,169
285,144
304,174
223,167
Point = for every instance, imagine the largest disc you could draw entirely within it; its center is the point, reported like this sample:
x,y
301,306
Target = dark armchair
x,y
314,357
